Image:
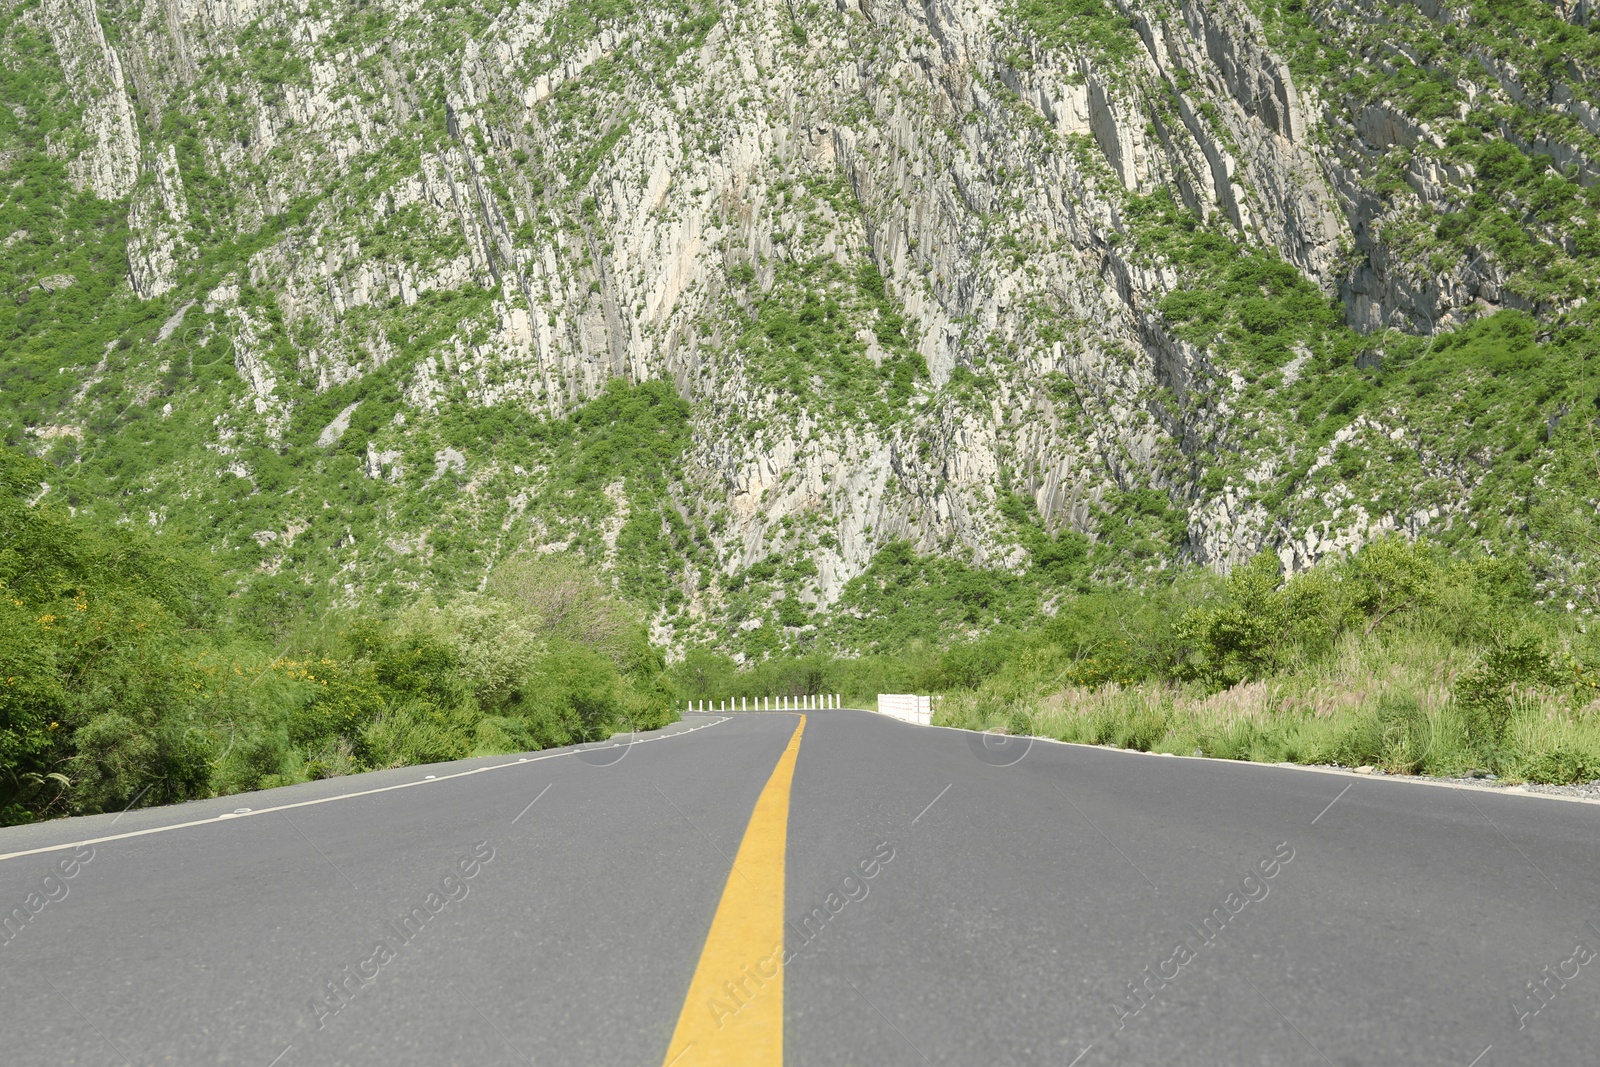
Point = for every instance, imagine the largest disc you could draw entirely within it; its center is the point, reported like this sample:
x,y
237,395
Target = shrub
x,y
1240,639
123,679
575,695
1487,695
1561,766
1405,734
417,730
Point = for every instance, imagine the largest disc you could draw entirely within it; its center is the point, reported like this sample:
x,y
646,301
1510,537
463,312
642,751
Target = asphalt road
x,y
1071,906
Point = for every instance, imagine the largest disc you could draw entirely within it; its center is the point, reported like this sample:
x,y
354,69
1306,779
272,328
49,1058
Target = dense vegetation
x,y
1400,656
127,676
393,465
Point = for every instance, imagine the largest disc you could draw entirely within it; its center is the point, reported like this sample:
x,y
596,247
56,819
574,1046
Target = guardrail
x,y
811,702
906,707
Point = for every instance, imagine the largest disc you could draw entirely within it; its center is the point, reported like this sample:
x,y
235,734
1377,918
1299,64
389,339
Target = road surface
x,y
746,889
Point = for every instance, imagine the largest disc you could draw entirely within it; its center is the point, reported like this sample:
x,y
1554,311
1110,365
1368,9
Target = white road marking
x,y
212,820
1501,791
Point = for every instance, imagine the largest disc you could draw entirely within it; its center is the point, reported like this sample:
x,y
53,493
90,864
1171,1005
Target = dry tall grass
x,y
1382,703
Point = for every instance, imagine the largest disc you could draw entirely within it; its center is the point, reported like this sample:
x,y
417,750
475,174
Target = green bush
x,y
127,681
1404,734
1561,766
1487,695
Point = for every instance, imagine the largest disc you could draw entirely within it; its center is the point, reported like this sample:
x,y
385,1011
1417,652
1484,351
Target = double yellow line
x,y
733,1014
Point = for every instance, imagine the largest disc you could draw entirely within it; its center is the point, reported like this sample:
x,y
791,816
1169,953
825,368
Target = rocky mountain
x,y
734,298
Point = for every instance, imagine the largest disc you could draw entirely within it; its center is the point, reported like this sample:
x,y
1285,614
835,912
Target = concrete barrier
x,y
906,707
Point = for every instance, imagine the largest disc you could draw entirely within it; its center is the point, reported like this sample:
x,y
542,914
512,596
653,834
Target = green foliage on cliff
x,y
1094,27
803,342
1489,83
1503,394
903,597
62,252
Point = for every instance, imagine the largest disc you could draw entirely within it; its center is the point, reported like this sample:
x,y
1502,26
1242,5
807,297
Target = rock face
x,y
109,164
484,208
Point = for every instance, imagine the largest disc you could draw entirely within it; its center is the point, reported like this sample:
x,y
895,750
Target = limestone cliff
x,y
1153,266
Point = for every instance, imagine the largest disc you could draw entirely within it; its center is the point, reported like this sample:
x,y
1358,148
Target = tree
x,y
1391,577
1243,638
561,598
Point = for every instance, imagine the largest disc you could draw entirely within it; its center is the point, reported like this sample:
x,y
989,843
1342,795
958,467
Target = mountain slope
x,y
733,298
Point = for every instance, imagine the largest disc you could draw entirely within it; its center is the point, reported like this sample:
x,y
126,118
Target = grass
x,y
1378,702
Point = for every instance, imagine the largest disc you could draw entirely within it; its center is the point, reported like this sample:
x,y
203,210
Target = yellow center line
x,y
733,1014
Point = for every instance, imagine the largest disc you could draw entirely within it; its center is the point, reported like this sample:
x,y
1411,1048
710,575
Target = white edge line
x,y
1499,791
210,820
